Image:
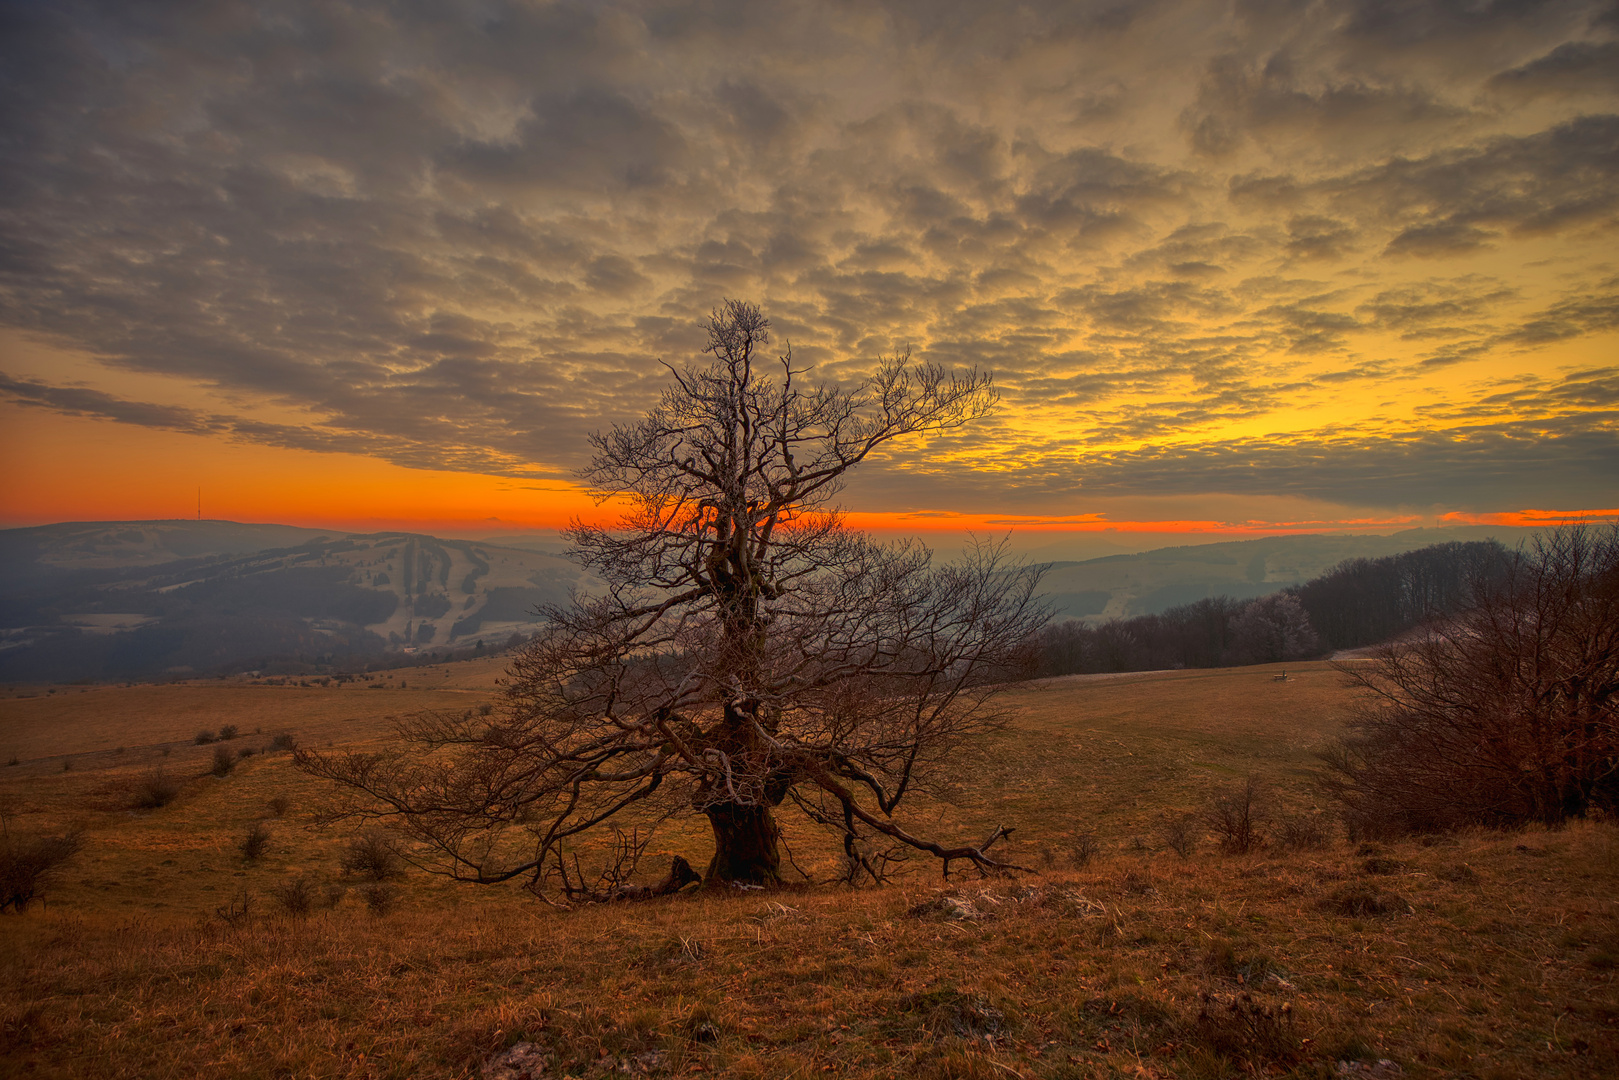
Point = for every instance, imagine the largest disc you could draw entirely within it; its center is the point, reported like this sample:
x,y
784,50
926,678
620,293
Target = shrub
x,y
154,789
1181,836
203,738
1500,715
235,911
244,752
371,855
283,741
295,896
379,898
255,843
1083,849
1249,1031
1236,816
279,805
228,732
27,863
224,761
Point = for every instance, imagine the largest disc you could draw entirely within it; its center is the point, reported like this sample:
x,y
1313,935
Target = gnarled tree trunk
x,y
747,845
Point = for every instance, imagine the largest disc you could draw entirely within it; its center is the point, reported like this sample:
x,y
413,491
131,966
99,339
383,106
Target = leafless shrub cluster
x,y
372,855
153,789
255,843
224,761
1236,816
1505,713
295,896
1249,1030
27,864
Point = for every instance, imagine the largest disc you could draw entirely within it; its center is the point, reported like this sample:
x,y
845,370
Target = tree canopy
x,y
748,650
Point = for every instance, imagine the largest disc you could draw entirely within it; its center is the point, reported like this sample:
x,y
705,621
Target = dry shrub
x,y
1181,836
1236,816
284,741
27,863
379,898
1083,848
1246,1030
235,911
203,738
229,732
371,855
255,843
224,762
295,896
1501,714
153,789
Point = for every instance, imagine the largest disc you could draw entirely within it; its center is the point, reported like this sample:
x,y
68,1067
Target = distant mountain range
x,y
143,599
137,599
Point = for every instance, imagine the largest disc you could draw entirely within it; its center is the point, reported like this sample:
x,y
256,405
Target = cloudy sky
x,y
1236,266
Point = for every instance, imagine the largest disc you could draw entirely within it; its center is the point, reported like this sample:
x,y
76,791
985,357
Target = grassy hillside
x,y
1484,954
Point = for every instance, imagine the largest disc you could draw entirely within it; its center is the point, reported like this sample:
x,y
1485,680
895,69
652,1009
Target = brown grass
x,y
1498,959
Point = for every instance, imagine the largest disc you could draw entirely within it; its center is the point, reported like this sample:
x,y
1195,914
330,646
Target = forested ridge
x,y
1358,602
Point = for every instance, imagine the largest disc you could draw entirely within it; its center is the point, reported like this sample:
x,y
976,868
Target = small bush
x,y
295,896
371,855
279,805
203,738
235,911
1248,1031
244,752
1083,849
1236,817
228,732
153,790
27,863
224,761
255,843
379,898
1181,836
284,741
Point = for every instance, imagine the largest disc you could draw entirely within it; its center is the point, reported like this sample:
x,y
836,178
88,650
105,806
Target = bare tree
x,y
748,650
1507,712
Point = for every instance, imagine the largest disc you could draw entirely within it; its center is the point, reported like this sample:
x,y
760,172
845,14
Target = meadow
x,y
1132,946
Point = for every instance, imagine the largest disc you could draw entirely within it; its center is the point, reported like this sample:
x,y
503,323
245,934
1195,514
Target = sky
x,y
1238,268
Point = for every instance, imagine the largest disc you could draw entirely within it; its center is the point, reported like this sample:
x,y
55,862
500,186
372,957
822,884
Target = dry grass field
x,y
1485,954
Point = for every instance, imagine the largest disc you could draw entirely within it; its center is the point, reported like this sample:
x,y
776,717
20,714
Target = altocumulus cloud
x,y
459,235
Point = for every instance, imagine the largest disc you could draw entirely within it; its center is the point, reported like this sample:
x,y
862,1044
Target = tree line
x,y
1358,602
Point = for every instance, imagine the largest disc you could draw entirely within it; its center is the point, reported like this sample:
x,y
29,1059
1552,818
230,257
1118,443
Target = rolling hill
x,y
121,600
